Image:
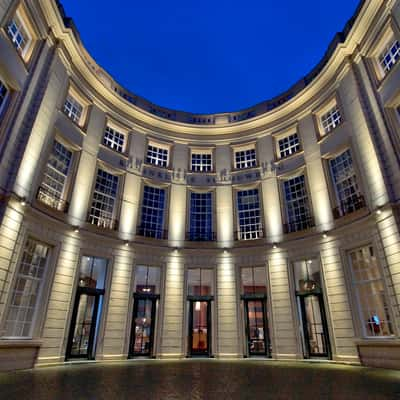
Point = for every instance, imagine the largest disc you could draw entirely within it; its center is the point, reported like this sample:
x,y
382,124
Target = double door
x,y
143,325
314,325
85,324
200,327
256,327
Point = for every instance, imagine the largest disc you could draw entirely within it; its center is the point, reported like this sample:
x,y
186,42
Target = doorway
x,y
256,323
200,327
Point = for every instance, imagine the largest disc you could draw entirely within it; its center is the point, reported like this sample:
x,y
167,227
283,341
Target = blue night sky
x,y
208,56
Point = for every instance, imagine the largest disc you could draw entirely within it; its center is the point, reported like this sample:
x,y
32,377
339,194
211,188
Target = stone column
x,y
270,191
319,194
87,167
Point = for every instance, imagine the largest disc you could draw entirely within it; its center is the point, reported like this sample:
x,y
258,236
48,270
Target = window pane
x,y
114,139
307,275
369,287
289,145
25,293
153,205
73,109
157,156
92,272
147,280
254,280
201,216
200,282
249,213
201,162
331,119
245,159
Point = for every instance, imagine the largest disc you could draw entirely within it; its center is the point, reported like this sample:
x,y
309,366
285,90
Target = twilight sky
x,y
209,56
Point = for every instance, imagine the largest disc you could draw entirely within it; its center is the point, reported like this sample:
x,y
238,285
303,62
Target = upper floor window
x,y
104,200
289,145
344,178
331,119
26,291
157,155
4,92
53,187
113,139
389,56
201,221
73,109
298,212
249,214
201,162
245,158
369,289
153,208
18,34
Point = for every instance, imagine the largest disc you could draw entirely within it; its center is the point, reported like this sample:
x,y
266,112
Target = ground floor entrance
x,y
200,327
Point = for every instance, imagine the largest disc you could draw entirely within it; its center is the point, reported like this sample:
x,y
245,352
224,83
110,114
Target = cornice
x,y
95,81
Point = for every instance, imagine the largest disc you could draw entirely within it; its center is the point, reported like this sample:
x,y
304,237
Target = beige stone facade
x,y
51,66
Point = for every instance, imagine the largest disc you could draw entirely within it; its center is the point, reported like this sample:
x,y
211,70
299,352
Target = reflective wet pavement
x,y
201,379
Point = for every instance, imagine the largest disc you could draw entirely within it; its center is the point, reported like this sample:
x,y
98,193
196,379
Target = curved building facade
x,y
130,230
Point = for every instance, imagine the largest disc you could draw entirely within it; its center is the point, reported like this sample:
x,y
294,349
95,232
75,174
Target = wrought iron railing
x,y
51,199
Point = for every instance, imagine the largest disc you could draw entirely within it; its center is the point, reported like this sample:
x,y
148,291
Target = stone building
x,y
131,230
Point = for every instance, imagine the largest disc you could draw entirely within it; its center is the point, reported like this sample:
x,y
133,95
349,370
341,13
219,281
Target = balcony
x,y
103,221
151,232
51,199
299,225
357,202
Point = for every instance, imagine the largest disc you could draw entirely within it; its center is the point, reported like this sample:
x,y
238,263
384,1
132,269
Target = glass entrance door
x,y
315,330
143,326
255,326
84,324
200,328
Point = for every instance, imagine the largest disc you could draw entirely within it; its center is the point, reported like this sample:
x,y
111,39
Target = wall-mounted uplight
x,y
126,243
379,211
22,201
75,229
325,234
274,245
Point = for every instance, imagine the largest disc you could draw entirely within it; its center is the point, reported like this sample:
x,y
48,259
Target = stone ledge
x,y
18,354
380,353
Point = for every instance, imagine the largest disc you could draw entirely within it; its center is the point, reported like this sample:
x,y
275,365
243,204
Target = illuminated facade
x,y
130,230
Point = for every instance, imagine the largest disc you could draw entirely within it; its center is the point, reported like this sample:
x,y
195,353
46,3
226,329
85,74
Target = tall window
x,y
153,206
345,181
331,119
104,200
3,95
389,56
73,109
254,280
157,156
53,186
249,214
201,216
369,288
201,162
18,34
26,291
289,145
114,139
297,204
245,158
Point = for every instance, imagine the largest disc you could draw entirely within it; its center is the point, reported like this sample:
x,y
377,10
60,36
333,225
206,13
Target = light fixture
x,y
126,243
22,201
325,234
274,246
76,229
378,211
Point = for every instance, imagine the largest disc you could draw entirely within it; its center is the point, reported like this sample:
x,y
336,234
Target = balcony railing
x,y
248,235
201,236
352,204
49,198
299,225
146,231
103,221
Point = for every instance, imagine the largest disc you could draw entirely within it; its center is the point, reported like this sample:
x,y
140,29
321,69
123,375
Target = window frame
x,y
6,98
118,200
201,152
354,296
82,100
277,137
119,130
243,148
158,146
237,232
213,213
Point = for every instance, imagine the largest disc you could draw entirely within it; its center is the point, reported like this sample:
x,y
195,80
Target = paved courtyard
x,y
201,379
